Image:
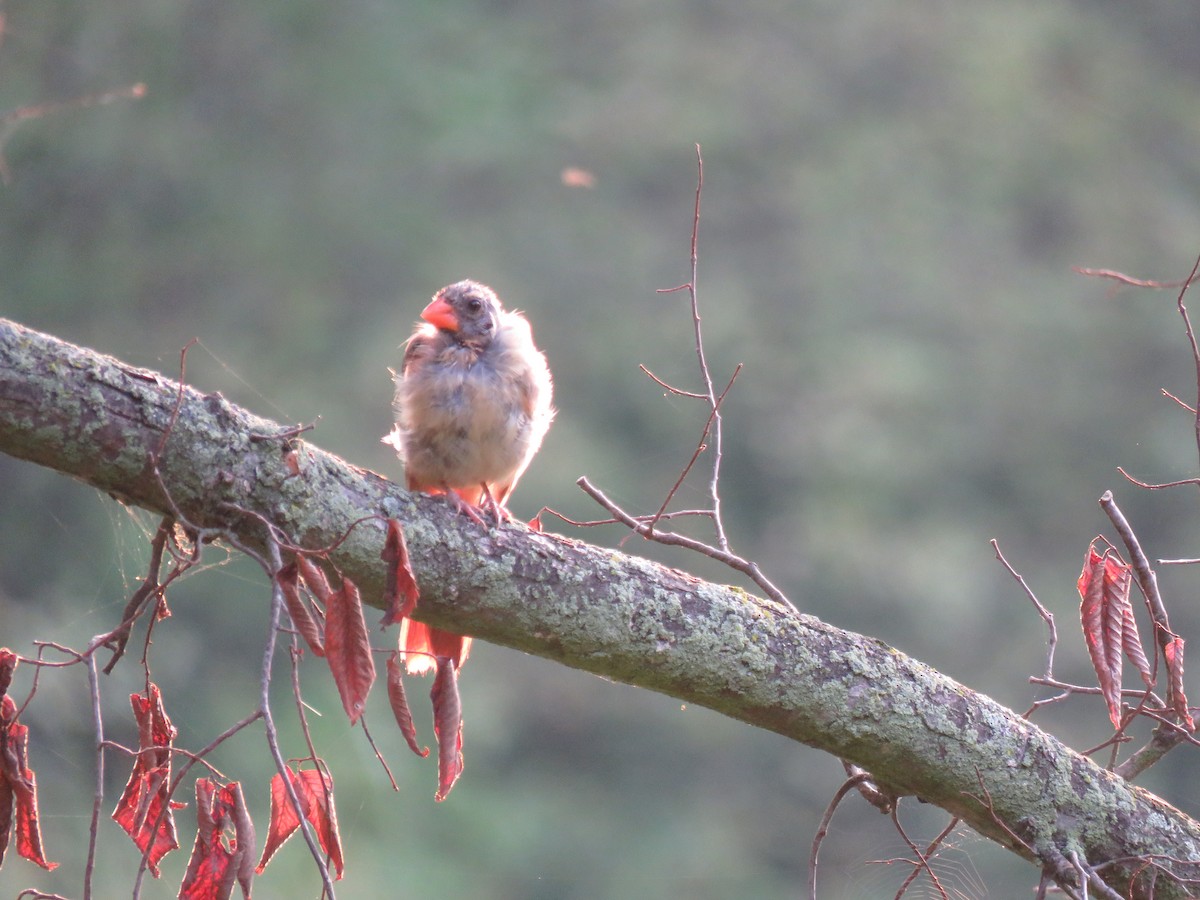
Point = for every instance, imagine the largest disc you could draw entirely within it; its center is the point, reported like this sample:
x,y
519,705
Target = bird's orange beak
x,y
440,314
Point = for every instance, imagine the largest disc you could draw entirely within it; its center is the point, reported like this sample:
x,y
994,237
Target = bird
x,y
473,401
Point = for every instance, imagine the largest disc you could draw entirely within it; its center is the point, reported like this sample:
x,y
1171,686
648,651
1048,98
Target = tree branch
x,y
917,731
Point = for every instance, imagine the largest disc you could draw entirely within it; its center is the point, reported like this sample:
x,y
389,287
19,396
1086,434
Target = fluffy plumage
x,y
473,402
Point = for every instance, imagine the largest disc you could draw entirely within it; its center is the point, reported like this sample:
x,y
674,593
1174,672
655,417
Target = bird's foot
x,y
490,503
465,507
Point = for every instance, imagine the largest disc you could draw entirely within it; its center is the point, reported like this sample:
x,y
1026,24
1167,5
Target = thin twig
x,y
1047,616
276,563
710,427
1088,877
823,829
746,567
922,860
379,756
98,797
1151,486
150,587
592,523
722,551
670,388
1191,336
930,849
1122,278
713,485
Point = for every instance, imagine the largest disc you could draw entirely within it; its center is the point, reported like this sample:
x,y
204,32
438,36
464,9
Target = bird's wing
x,y
419,345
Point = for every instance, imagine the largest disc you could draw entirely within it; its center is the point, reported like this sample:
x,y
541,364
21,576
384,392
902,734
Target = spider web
x,y
886,862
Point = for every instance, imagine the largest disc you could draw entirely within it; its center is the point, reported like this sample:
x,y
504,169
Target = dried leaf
x,y
7,802
283,822
1131,643
18,788
348,649
401,593
447,726
314,578
8,664
315,792
399,704
322,815
1104,608
146,793
222,844
1177,699
302,620
243,831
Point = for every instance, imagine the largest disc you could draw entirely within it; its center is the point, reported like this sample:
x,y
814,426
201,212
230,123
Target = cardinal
x,y
473,402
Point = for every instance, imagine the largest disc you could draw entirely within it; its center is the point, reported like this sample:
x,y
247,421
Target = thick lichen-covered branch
x,y
917,731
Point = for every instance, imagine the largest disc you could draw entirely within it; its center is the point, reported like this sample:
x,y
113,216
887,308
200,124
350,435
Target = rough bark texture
x,y
919,732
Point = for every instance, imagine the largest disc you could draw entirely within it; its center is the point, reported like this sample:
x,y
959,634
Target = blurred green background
x,y
894,196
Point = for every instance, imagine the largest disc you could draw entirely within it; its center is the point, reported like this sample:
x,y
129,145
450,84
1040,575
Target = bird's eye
x,y
474,305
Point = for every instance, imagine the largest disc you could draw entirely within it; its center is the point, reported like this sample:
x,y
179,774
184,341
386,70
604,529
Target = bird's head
x,y
467,309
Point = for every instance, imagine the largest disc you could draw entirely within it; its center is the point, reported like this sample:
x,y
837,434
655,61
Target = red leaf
x,y
302,619
401,593
8,663
243,830
7,801
315,792
1131,643
1178,700
1104,610
18,787
224,841
348,649
146,794
399,704
447,726
318,788
283,822
314,577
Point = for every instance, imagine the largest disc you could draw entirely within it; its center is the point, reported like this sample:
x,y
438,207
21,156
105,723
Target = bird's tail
x,y
423,645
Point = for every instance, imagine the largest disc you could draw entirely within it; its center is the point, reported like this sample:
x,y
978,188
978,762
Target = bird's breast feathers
x,y
468,415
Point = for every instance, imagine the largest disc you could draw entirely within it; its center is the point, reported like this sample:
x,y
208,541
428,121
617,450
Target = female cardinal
x,y
473,402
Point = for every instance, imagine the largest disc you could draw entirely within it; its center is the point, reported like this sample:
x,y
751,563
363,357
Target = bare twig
x,y
922,860
930,850
379,756
710,394
711,434
98,797
1191,336
151,587
1152,486
1122,278
712,426
823,829
670,388
276,563
1089,878
1047,617
745,566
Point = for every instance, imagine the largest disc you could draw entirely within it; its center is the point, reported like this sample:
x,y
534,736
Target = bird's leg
x,y
489,503
464,506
